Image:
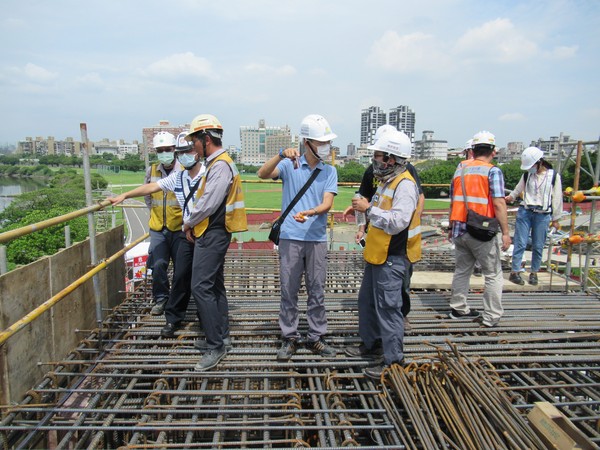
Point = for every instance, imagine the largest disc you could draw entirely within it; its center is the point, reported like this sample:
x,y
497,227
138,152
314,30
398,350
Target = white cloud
x,y
407,53
258,68
496,41
512,117
38,74
91,80
563,52
181,65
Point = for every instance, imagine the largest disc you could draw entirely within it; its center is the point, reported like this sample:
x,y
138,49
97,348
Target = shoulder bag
x,y
276,227
482,228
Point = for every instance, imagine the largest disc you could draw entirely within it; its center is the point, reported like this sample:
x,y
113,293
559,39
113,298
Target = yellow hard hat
x,y
208,123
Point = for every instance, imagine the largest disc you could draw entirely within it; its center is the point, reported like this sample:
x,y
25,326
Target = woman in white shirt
x,y
541,204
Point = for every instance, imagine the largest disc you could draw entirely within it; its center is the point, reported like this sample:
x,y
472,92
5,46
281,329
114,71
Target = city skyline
x,y
522,70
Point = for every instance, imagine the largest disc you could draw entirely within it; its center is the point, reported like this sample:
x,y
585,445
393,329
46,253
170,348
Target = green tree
x,y
351,172
65,195
440,172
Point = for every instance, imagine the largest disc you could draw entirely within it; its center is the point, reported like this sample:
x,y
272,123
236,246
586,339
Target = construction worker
x,y
184,185
484,192
217,212
393,243
368,187
468,153
542,204
181,184
303,239
165,221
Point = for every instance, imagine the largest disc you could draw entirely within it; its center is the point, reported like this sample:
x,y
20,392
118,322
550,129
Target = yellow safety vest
x,y
378,241
165,211
235,209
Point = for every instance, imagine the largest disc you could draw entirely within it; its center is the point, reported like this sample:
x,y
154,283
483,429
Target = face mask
x,y
323,151
187,160
533,170
166,158
382,170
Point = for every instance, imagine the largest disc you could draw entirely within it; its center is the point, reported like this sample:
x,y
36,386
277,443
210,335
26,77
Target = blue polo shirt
x,y
315,227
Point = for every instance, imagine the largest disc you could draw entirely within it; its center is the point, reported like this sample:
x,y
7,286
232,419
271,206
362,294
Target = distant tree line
x,y
132,163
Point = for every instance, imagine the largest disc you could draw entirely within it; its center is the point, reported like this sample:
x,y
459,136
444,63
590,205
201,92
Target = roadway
x,y
136,219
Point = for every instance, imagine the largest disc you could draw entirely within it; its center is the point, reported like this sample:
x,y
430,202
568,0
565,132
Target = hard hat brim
x,y
326,138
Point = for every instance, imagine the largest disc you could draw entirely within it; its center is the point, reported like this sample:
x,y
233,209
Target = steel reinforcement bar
x,y
127,387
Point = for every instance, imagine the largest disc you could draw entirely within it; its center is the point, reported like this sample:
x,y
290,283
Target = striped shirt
x,y
181,183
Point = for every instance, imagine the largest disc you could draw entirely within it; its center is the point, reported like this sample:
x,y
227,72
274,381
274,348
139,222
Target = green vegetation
x,y
65,194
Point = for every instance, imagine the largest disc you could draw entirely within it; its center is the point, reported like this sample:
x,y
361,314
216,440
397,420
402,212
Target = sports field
x,y
258,193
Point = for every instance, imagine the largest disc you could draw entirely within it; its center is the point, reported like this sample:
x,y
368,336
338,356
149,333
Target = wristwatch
x,y
281,155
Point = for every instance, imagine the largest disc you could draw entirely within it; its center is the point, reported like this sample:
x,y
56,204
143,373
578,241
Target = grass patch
x,y
258,193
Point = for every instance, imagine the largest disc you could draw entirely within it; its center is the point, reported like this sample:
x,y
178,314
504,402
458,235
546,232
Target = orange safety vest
x,y
165,209
477,185
235,209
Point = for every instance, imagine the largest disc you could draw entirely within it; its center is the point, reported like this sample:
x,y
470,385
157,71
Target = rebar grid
x,y
125,386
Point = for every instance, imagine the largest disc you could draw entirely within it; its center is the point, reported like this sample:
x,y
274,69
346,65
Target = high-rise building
x,y
370,119
260,143
512,151
403,118
351,150
429,148
163,125
49,146
552,147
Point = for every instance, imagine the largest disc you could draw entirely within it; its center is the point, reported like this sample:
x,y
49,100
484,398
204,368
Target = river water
x,y
12,187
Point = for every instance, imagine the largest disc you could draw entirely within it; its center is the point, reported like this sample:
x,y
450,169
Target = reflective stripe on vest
x,y
235,208
378,241
477,185
165,209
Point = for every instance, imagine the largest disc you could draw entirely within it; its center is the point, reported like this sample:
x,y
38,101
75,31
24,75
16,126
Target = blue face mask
x,y
187,160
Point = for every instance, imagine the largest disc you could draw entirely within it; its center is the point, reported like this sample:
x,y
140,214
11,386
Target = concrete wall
x,y
52,335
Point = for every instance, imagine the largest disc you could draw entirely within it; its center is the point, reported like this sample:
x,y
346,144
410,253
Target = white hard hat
x,y
469,144
395,143
316,127
182,144
530,156
484,137
208,123
163,139
384,129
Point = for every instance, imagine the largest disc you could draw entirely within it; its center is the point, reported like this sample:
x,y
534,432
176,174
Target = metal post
x,y
91,228
573,215
67,236
3,260
114,220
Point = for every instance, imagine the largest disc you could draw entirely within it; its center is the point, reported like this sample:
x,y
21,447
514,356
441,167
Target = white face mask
x,y
166,158
323,151
187,160
533,170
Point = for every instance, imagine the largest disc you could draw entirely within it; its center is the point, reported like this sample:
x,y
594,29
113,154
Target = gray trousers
x,y
469,250
208,285
296,258
380,307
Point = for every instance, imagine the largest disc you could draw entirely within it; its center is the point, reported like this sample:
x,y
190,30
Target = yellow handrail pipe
x,y
37,312
18,232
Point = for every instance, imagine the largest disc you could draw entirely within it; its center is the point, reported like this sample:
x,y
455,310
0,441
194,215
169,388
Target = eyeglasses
x,y
164,149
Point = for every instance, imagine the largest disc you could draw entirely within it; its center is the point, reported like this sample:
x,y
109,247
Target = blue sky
x,y
521,69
